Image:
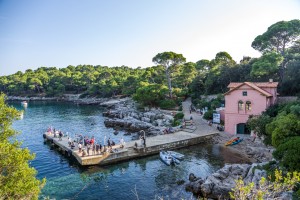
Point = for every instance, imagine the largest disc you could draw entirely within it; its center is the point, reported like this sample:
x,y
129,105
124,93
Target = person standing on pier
x,y
108,142
79,147
69,141
141,139
93,148
122,142
88,149
60,135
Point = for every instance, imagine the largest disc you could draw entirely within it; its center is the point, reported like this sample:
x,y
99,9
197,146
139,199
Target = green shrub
x,y
176,122
179,115
167,104
208,115
180,108
282,127
288,154
258,125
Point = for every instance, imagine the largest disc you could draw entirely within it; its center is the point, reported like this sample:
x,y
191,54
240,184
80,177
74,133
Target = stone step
x,y
188,130
191,127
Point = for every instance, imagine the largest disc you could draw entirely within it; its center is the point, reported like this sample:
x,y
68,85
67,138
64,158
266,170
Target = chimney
x,y
270,80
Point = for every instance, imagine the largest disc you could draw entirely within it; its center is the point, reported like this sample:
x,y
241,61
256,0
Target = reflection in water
x,y
67,180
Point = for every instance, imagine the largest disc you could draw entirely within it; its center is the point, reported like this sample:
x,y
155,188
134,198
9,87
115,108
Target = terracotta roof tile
x,y
254,86
266,84
257,86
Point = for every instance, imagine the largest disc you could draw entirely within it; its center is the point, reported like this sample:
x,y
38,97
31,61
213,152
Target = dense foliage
x,y
17,178
279,125
289,153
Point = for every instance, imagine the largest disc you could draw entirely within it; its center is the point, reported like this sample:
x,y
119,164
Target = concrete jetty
x,y
132,149
201,132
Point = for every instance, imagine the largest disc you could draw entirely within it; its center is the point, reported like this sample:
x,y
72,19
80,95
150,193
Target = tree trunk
x,y
169,83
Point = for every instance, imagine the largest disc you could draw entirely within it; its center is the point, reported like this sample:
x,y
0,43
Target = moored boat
x,y
231,141
237,141
176,155
24,103
166,157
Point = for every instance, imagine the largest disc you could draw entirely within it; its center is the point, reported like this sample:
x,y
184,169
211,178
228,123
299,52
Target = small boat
x,y
175,161
166,157
237,141
231,141
176,155
24,103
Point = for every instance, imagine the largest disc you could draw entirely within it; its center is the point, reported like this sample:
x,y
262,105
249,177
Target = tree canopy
x,y
169,59
17,178
278,37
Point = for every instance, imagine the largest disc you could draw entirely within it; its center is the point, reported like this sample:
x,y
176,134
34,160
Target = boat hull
x,y
176,155
165,157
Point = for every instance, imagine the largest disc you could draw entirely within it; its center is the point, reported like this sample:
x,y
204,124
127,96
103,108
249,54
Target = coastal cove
x,y
66,179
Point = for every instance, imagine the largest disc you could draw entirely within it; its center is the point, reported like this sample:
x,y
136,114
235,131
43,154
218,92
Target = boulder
x,y
194,187
222,181
145,119
192,177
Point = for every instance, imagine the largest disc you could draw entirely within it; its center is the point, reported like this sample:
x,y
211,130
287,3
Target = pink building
x,y
244,99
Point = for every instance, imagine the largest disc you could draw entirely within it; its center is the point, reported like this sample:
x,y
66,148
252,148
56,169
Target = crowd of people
x,y
88,146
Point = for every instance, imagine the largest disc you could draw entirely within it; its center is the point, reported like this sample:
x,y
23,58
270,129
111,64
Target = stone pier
x,y
131,150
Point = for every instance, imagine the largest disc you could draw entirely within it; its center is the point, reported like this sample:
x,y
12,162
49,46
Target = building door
x,y
242,129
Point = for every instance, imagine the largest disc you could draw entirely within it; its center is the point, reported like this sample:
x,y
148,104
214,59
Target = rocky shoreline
x,y
124,115
74,98
219,184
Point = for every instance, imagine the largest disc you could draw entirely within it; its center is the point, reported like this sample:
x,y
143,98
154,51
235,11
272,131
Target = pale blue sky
x,y
35,33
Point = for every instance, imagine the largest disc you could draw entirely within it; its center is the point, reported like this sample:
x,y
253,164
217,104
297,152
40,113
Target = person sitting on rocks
x,y
166,131
171,130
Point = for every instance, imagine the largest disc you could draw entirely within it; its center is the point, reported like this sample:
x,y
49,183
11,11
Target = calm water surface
x,y
148,177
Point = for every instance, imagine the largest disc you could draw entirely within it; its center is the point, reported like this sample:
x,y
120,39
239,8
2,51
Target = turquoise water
x,y
147,178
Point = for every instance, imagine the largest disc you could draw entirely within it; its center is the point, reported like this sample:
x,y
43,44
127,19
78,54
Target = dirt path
x,y
201,124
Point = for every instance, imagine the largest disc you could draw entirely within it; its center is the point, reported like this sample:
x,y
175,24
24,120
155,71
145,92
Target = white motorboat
x,y
176,155
166,158
24,103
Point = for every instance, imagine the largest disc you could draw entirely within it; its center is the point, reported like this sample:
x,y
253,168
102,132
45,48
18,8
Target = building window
x,y
248,106
241,105
244,93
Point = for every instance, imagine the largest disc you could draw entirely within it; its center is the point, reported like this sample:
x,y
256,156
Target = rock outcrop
x,y
219,184
125,115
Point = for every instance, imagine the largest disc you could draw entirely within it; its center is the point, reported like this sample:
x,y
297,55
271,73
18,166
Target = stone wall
x,y
286,99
